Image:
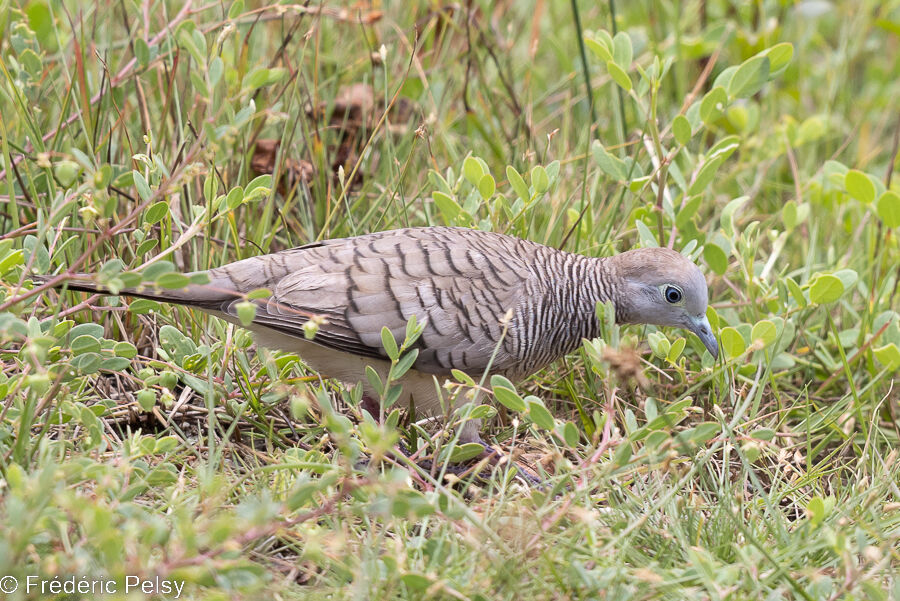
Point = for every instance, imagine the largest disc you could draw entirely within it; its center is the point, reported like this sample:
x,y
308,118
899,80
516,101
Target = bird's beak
x,y
700,326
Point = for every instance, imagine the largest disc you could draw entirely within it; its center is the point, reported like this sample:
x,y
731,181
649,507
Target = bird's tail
x,y
201,297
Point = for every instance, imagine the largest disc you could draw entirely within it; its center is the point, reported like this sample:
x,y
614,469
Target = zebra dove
x,y
460,283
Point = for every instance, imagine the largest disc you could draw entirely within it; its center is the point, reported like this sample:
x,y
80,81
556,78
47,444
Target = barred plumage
x,y
461,283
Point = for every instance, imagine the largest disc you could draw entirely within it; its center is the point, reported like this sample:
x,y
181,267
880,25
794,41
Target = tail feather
x,y
201,297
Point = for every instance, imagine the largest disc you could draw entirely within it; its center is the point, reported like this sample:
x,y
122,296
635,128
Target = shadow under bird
x,y
460,283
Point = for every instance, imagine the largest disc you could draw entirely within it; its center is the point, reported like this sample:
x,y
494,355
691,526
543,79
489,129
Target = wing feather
x,y
459,282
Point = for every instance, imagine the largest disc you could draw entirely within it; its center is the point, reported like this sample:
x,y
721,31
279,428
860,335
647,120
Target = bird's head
x,y
664,288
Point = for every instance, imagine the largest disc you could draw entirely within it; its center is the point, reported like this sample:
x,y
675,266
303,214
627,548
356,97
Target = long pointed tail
x,y
201,297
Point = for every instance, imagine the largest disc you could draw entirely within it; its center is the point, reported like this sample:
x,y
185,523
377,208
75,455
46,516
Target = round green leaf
x,y
506,394
246,311
143,306
715,257
889,208
146,399
539,179
486,186
85,344
509,399
764,331
125,349
157,212
826,288
859,186
732,342
472,170
779,57
888,355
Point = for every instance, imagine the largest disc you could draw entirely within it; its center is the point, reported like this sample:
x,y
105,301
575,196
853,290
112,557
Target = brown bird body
x,y
462,284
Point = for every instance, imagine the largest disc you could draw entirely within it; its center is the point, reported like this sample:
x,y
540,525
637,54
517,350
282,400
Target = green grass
x,y
143,439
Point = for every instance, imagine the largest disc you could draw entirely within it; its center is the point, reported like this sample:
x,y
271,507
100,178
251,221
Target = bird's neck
x,y
582,282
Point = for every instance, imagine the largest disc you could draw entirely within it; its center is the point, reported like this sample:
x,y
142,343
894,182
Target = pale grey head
x,y
664,288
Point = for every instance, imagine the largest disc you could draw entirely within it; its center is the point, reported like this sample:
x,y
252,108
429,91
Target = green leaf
x,y
713,104
749,77
676,350
715,257
608,163
146,246
142,306
141,185
215,70
539,414
816,510
472,170
261,76
732,342
32,62
539,179
859,186
648,238
246,312
826,288
142,52
94,330
765,331
255,294
506,394
622,455
466,451
619,75
763,434
622,51
448,207
389,344
796,292
236,9
598,47
705,175
85,344
570,434
888,355
704,431
404,364
125,349
487,186
889,209
727,218
780,56
146,399
157,212
517,183
260,186
173,280
374,381
681,129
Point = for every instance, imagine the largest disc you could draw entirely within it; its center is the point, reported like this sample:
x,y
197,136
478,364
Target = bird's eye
x,y
672,294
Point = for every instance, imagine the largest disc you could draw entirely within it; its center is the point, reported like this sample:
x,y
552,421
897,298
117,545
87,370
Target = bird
x,y
486,302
